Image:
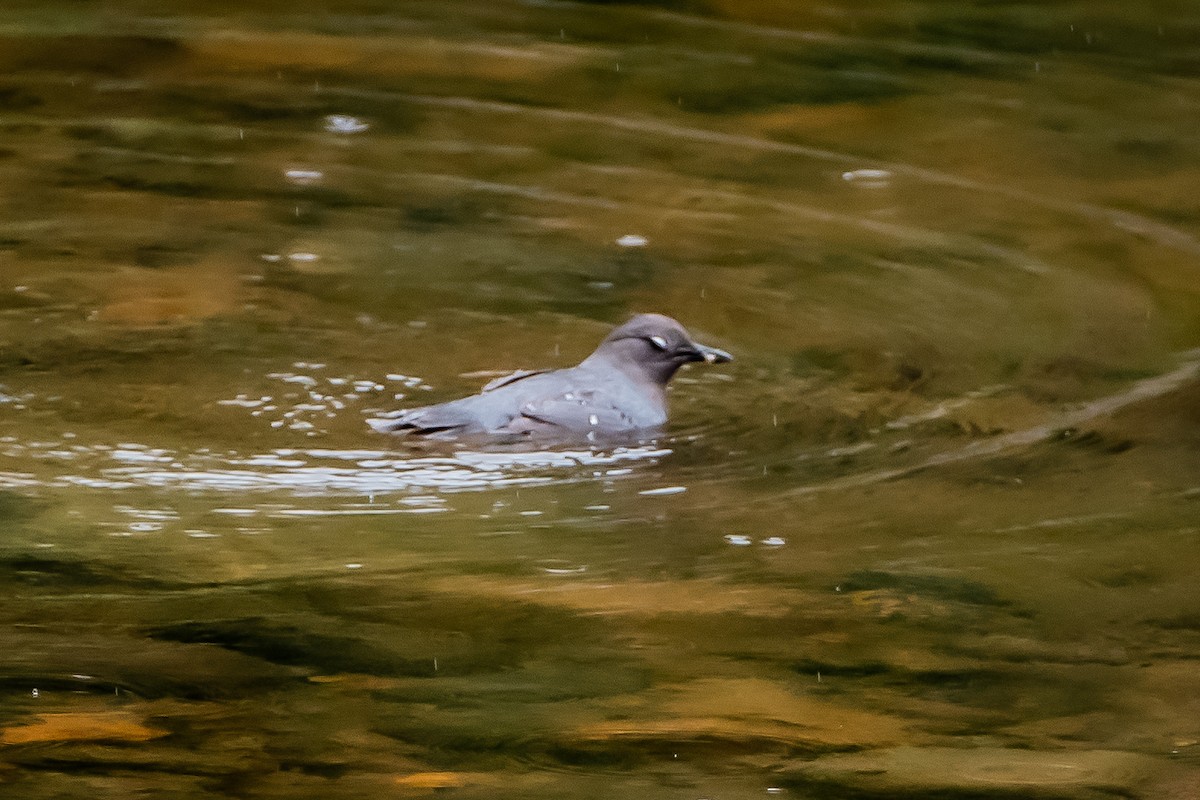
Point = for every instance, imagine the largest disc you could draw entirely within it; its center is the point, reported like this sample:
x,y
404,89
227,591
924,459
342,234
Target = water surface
x,y
933,533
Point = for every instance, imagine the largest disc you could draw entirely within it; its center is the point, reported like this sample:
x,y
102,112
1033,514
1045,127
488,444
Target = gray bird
x,y
618,390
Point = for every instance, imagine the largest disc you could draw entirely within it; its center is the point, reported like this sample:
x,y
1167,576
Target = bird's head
x,y
653,346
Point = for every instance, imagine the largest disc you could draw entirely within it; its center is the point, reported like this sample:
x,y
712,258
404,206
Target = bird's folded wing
x,y
581,412
428,419
505,380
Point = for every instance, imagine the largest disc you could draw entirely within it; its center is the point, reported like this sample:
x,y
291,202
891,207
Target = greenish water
x,y
933,534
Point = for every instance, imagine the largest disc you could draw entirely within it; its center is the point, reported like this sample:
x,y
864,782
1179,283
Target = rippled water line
x,y
1127,221
169,26
18,480
1146,389
535,193
807,36
911,234
1123,220
166,158
518,190
367,472
542,194
892,230
386,45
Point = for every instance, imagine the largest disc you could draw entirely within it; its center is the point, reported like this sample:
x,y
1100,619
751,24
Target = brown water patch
x,y
633,597
179,295
431,781
81,726
744,710
968,772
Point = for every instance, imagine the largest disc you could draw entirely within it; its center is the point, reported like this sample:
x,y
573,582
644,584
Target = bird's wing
x,y
506,380
460,416
447,417
579,412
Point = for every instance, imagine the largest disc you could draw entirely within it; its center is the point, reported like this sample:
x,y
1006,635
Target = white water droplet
x,y
663,491
343,123
869,178
304,177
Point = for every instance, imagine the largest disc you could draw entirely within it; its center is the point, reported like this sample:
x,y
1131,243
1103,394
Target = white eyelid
x,y
658,342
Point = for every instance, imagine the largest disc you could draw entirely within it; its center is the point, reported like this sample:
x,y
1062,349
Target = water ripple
x,y
326,472
1130,222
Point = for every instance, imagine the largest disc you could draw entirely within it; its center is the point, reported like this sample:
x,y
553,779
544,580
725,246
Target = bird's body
x,y
620,389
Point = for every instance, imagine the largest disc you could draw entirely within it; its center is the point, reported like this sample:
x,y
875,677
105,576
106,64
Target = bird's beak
x,y
711,355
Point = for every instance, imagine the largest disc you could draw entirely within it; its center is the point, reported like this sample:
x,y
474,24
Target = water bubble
x,y
868,178
304,177
243,401
343,123
633,240
565,570
665,490
287,377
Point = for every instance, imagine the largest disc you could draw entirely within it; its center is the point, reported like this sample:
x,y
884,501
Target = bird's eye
x,y
658,342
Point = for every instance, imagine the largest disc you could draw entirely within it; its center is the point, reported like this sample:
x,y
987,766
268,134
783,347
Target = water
x,y
934,532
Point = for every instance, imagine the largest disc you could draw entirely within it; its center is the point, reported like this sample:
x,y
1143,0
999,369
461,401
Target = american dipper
x,y
618,390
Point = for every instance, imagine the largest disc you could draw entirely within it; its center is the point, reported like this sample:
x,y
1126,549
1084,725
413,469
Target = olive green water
x,y
935,533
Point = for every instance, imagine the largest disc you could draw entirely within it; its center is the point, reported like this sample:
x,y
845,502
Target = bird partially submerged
x,y
619,390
